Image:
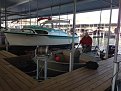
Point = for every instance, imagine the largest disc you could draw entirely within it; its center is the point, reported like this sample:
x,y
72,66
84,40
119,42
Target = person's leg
x,y
83,48
87,49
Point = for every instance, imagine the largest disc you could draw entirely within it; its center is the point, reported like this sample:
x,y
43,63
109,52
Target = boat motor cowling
x,y
91,65
111,50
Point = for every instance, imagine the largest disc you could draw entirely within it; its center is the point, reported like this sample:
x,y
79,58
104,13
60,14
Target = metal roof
x,y
9,3
38,8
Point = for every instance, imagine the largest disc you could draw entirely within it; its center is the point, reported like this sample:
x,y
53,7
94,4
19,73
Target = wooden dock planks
x,y
82,79
12,79
5,54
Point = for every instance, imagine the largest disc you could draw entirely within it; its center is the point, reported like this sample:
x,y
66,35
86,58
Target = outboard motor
x,y
111,50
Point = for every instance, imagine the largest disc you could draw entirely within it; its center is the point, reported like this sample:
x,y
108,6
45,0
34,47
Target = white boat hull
x,y
33,40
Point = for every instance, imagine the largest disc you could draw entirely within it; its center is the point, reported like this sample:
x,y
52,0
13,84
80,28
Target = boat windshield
x,y
27,31
41,32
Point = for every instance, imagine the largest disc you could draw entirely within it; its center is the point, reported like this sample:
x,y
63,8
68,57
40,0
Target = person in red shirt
x,y
86,43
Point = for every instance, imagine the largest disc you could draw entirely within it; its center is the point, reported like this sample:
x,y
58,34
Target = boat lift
x,y
41,54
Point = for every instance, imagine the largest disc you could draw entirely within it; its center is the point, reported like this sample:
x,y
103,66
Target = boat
x,y
59,61
34,35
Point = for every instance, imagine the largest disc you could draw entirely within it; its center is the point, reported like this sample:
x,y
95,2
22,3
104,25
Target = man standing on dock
x,y
86,43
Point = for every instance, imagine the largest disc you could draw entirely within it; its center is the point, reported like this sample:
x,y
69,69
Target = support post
x,y
72,50
37,69
45,69
0,17
98,32
6,44
5,16
37,64
106,55
37,12
115,74
30,11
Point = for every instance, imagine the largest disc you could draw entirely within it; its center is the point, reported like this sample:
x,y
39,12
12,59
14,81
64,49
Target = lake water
x,y
103,43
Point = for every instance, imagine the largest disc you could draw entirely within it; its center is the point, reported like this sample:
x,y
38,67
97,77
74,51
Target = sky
x,y
93,17
89,17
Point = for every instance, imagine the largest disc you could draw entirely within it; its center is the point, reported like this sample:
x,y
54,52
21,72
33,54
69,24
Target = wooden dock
x,y
82,79
5,54
11,78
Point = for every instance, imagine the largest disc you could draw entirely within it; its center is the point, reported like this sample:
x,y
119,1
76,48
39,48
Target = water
x,y
103,43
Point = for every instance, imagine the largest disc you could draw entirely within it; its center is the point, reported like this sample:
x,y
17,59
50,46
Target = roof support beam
x,y
106,55
18,2
5,16
0,14
72,50
116,62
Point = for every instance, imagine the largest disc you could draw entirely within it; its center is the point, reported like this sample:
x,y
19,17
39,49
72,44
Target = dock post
x,y
107,49
41,55
6,44
37,66
37,74
45,69
72,50
0,16
70,63
115,68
